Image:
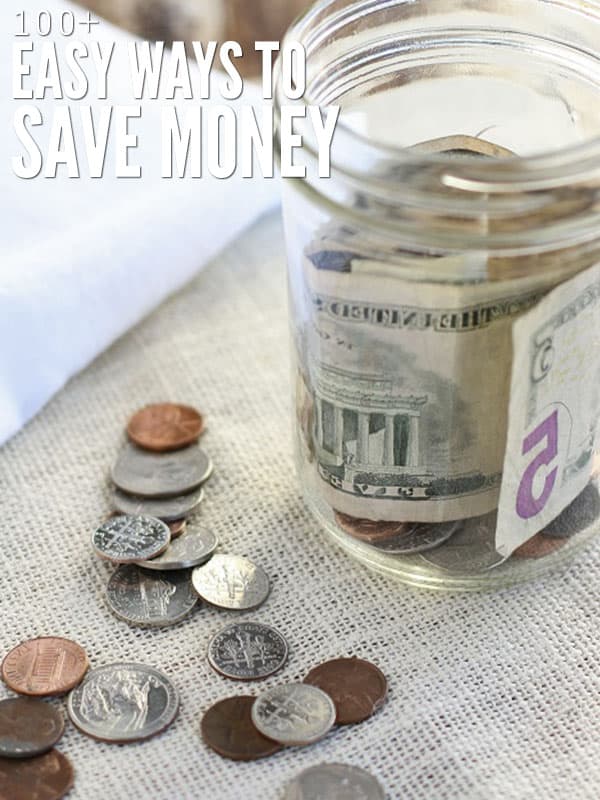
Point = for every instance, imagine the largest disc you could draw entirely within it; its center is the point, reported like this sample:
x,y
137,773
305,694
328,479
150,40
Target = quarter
x,y
247,651
167,509
123,702
28,727
127,539
232,582
47,777
357,687
152,599
294,714
160,475
227,728
165,426
193,547
45,666
334,782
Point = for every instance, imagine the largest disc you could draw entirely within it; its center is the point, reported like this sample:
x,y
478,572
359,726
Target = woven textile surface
x,y
492,697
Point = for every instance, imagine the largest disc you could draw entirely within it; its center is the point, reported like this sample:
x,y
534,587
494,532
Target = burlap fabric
x,y
492,697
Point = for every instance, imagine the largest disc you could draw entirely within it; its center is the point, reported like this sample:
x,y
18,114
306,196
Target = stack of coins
x,y
343,691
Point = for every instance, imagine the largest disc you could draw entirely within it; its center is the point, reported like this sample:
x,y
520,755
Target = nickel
x,y
167,509
160,475
153,599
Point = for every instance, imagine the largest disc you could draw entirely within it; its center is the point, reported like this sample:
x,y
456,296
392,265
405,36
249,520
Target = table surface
x,y
492,696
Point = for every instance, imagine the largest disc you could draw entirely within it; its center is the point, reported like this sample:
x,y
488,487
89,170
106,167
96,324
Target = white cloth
x,y
82,260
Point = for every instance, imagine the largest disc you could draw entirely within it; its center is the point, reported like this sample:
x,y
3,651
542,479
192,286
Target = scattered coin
x,y
47,777
192,548
152,599
334,782
357,687
28,727
165,426
418,537
577,516
45,666
471,549
227,728
539,546
123,702
177,527
294,714
247,651
167,509
127,539
160,475
230,581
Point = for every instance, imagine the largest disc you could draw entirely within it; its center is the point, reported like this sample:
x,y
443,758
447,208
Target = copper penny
x,y
227,728
358,688
371,530
539,546
177,527
165,426
45,666
28,727
47,777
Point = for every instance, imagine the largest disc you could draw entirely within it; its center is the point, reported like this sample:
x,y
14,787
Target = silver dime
x,y
123,703
127,539
167,509
294,714
247,651
160,474
28,727
193,547
233,582
418,538
471,549
334,782
150,598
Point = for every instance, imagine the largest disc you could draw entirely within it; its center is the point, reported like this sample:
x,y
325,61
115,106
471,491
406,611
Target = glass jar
x,y
444,285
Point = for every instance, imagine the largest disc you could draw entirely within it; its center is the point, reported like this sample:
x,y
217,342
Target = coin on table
x,y
227,728
177,527
357,687
28,727
45,666
294,714
123,702
152,599
232,582
539,546
334,782
577,516
127,539
167,509
165,426
160,474
470,550
47,777
418,537
194,547
247,651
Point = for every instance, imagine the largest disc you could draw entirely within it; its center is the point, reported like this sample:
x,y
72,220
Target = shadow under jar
x,y
444,286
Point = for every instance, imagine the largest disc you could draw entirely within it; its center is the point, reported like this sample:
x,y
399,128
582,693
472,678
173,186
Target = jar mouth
x,y
552,193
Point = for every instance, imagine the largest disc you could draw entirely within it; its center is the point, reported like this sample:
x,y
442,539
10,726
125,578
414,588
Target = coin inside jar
x,y
247,651
152,599
46,777
294,714
227,728
165,426
230,581
28,727
357,687
539,546
49,665
128,539
123,702
160,475
369,530
166,509
577,516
